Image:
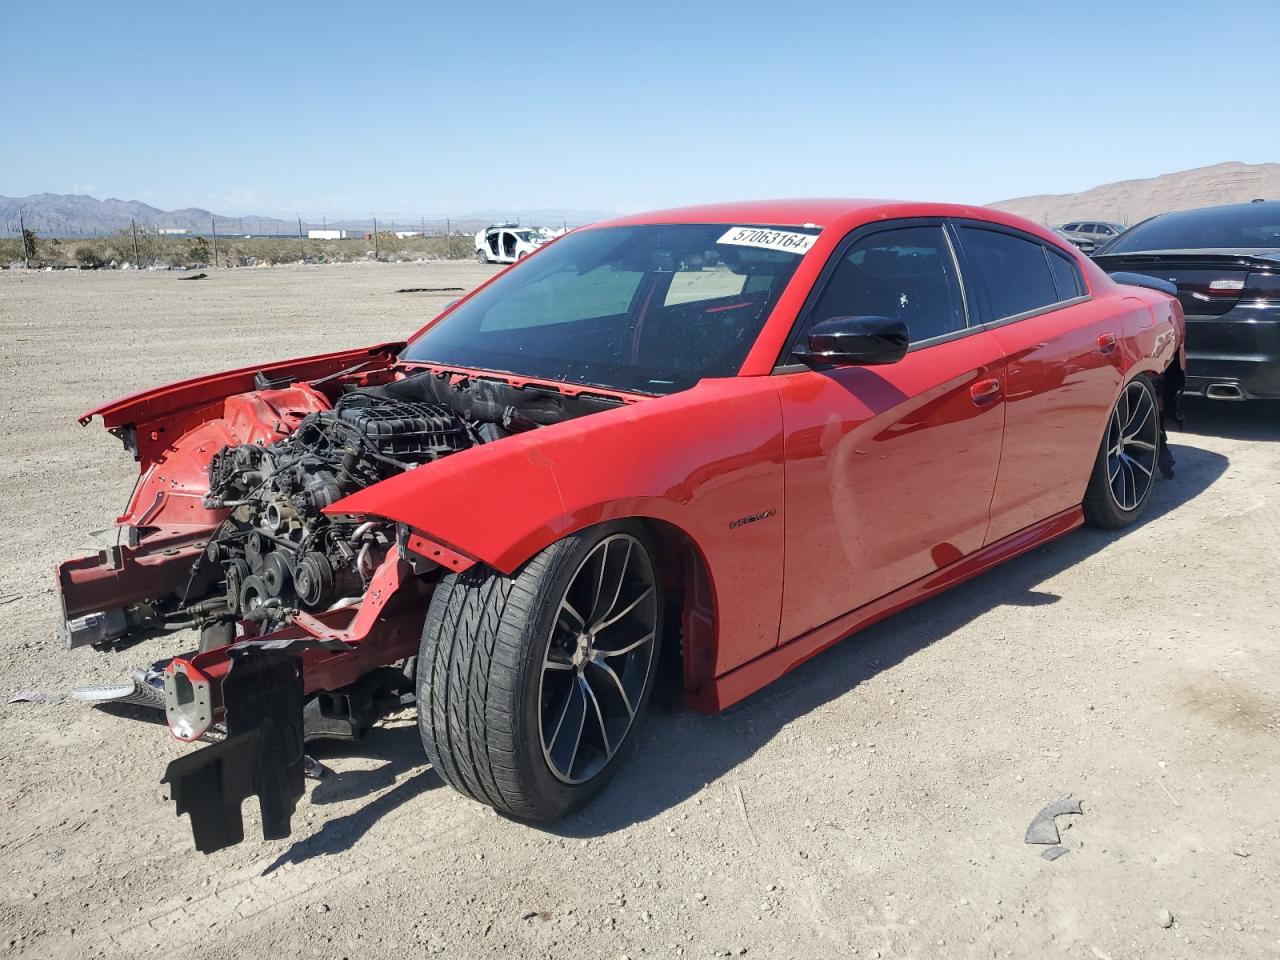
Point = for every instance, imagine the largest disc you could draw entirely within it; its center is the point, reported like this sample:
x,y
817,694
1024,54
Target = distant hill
x,y
56,214
77,215
1129,201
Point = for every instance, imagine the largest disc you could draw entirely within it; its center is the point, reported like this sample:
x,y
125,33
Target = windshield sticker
x,y
782,240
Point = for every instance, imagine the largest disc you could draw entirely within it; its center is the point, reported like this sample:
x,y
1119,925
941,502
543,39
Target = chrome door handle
x,y
984,391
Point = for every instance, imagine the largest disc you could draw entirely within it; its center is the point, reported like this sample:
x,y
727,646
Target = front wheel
x,y
530,687
1124,473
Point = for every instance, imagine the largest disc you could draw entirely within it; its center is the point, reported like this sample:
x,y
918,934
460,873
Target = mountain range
x,y
79,215
1127,201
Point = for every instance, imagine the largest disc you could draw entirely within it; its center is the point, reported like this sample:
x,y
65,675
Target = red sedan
x,y
719,438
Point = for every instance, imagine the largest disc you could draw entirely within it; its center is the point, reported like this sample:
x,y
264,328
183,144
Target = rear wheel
x,y
530,687
1125,471
481,256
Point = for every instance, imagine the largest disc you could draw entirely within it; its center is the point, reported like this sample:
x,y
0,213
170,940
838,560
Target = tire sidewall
x,y
553,795
1113,515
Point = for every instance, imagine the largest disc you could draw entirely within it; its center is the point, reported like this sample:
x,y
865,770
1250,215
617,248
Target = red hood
x,y
149,405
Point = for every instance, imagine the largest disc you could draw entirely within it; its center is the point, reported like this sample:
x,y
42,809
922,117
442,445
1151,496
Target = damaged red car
x,y
693,448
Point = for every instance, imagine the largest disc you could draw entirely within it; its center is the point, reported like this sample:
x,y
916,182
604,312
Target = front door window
x,y
906,273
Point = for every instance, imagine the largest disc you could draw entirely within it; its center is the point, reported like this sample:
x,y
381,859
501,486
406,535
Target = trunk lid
x,y
1210,283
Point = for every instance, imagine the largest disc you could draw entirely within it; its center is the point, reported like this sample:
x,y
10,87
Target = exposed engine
x,y
277,552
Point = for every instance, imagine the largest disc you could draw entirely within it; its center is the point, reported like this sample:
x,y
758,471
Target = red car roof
x,y
828,212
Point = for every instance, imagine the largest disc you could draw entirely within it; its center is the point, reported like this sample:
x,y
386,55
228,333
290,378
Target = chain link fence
x,y
238,242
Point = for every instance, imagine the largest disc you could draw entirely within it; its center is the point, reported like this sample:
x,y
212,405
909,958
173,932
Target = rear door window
x,y
1013,271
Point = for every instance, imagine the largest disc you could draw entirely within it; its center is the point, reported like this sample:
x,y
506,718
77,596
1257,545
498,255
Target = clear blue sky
x,y
349,109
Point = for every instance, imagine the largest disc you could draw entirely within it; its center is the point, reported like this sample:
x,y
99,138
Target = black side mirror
x,y
866,341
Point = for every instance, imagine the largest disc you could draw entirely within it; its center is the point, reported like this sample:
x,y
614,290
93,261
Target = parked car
x,y
1088,235
718,438
1226,264
507,243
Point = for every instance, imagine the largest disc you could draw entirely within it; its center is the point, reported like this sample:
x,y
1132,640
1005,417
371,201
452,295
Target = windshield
x,y
649,309
1248,227
528,236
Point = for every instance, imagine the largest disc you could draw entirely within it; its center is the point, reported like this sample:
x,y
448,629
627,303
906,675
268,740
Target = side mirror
x,y
866,341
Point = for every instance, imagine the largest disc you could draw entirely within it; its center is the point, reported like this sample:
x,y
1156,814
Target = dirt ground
x,y
871,804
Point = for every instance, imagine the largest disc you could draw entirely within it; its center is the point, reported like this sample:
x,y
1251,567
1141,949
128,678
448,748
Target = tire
x,y
482,256
502,660
1125,471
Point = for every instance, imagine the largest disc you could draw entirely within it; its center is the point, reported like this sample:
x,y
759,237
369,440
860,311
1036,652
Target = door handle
x,y
1107,343
984,391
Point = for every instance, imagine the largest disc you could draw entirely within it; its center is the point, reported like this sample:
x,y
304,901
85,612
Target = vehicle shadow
x,y
681,752
1252,420
401,749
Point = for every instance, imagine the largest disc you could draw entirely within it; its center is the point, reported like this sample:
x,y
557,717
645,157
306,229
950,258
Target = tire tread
x,y
477,653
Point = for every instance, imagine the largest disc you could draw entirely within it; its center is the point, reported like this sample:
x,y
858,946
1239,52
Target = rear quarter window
x,y
1066,275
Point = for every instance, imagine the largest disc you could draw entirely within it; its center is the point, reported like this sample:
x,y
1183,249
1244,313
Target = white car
x,y
507,243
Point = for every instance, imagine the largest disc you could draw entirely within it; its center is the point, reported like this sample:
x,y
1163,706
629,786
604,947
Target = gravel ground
x,y
871,804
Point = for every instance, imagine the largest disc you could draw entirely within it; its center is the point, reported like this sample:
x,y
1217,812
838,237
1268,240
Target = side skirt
x,y
752,676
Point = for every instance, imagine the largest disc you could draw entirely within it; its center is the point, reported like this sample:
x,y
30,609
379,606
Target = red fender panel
x,y
706,460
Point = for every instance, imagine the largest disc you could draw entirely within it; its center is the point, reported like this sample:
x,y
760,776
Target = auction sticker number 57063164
x,y
785,240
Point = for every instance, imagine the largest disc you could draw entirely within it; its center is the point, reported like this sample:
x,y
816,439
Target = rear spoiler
x,y
1142,280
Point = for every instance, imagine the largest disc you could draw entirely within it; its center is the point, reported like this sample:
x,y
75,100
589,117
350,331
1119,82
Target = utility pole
x,y
302,251
448,239
22,226
375,238
137,261
213,224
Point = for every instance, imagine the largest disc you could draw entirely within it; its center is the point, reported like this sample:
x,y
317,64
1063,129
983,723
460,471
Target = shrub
x,y
199,251
91,256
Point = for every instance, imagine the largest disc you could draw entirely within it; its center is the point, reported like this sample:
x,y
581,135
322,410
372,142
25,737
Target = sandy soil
x,y
871,804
